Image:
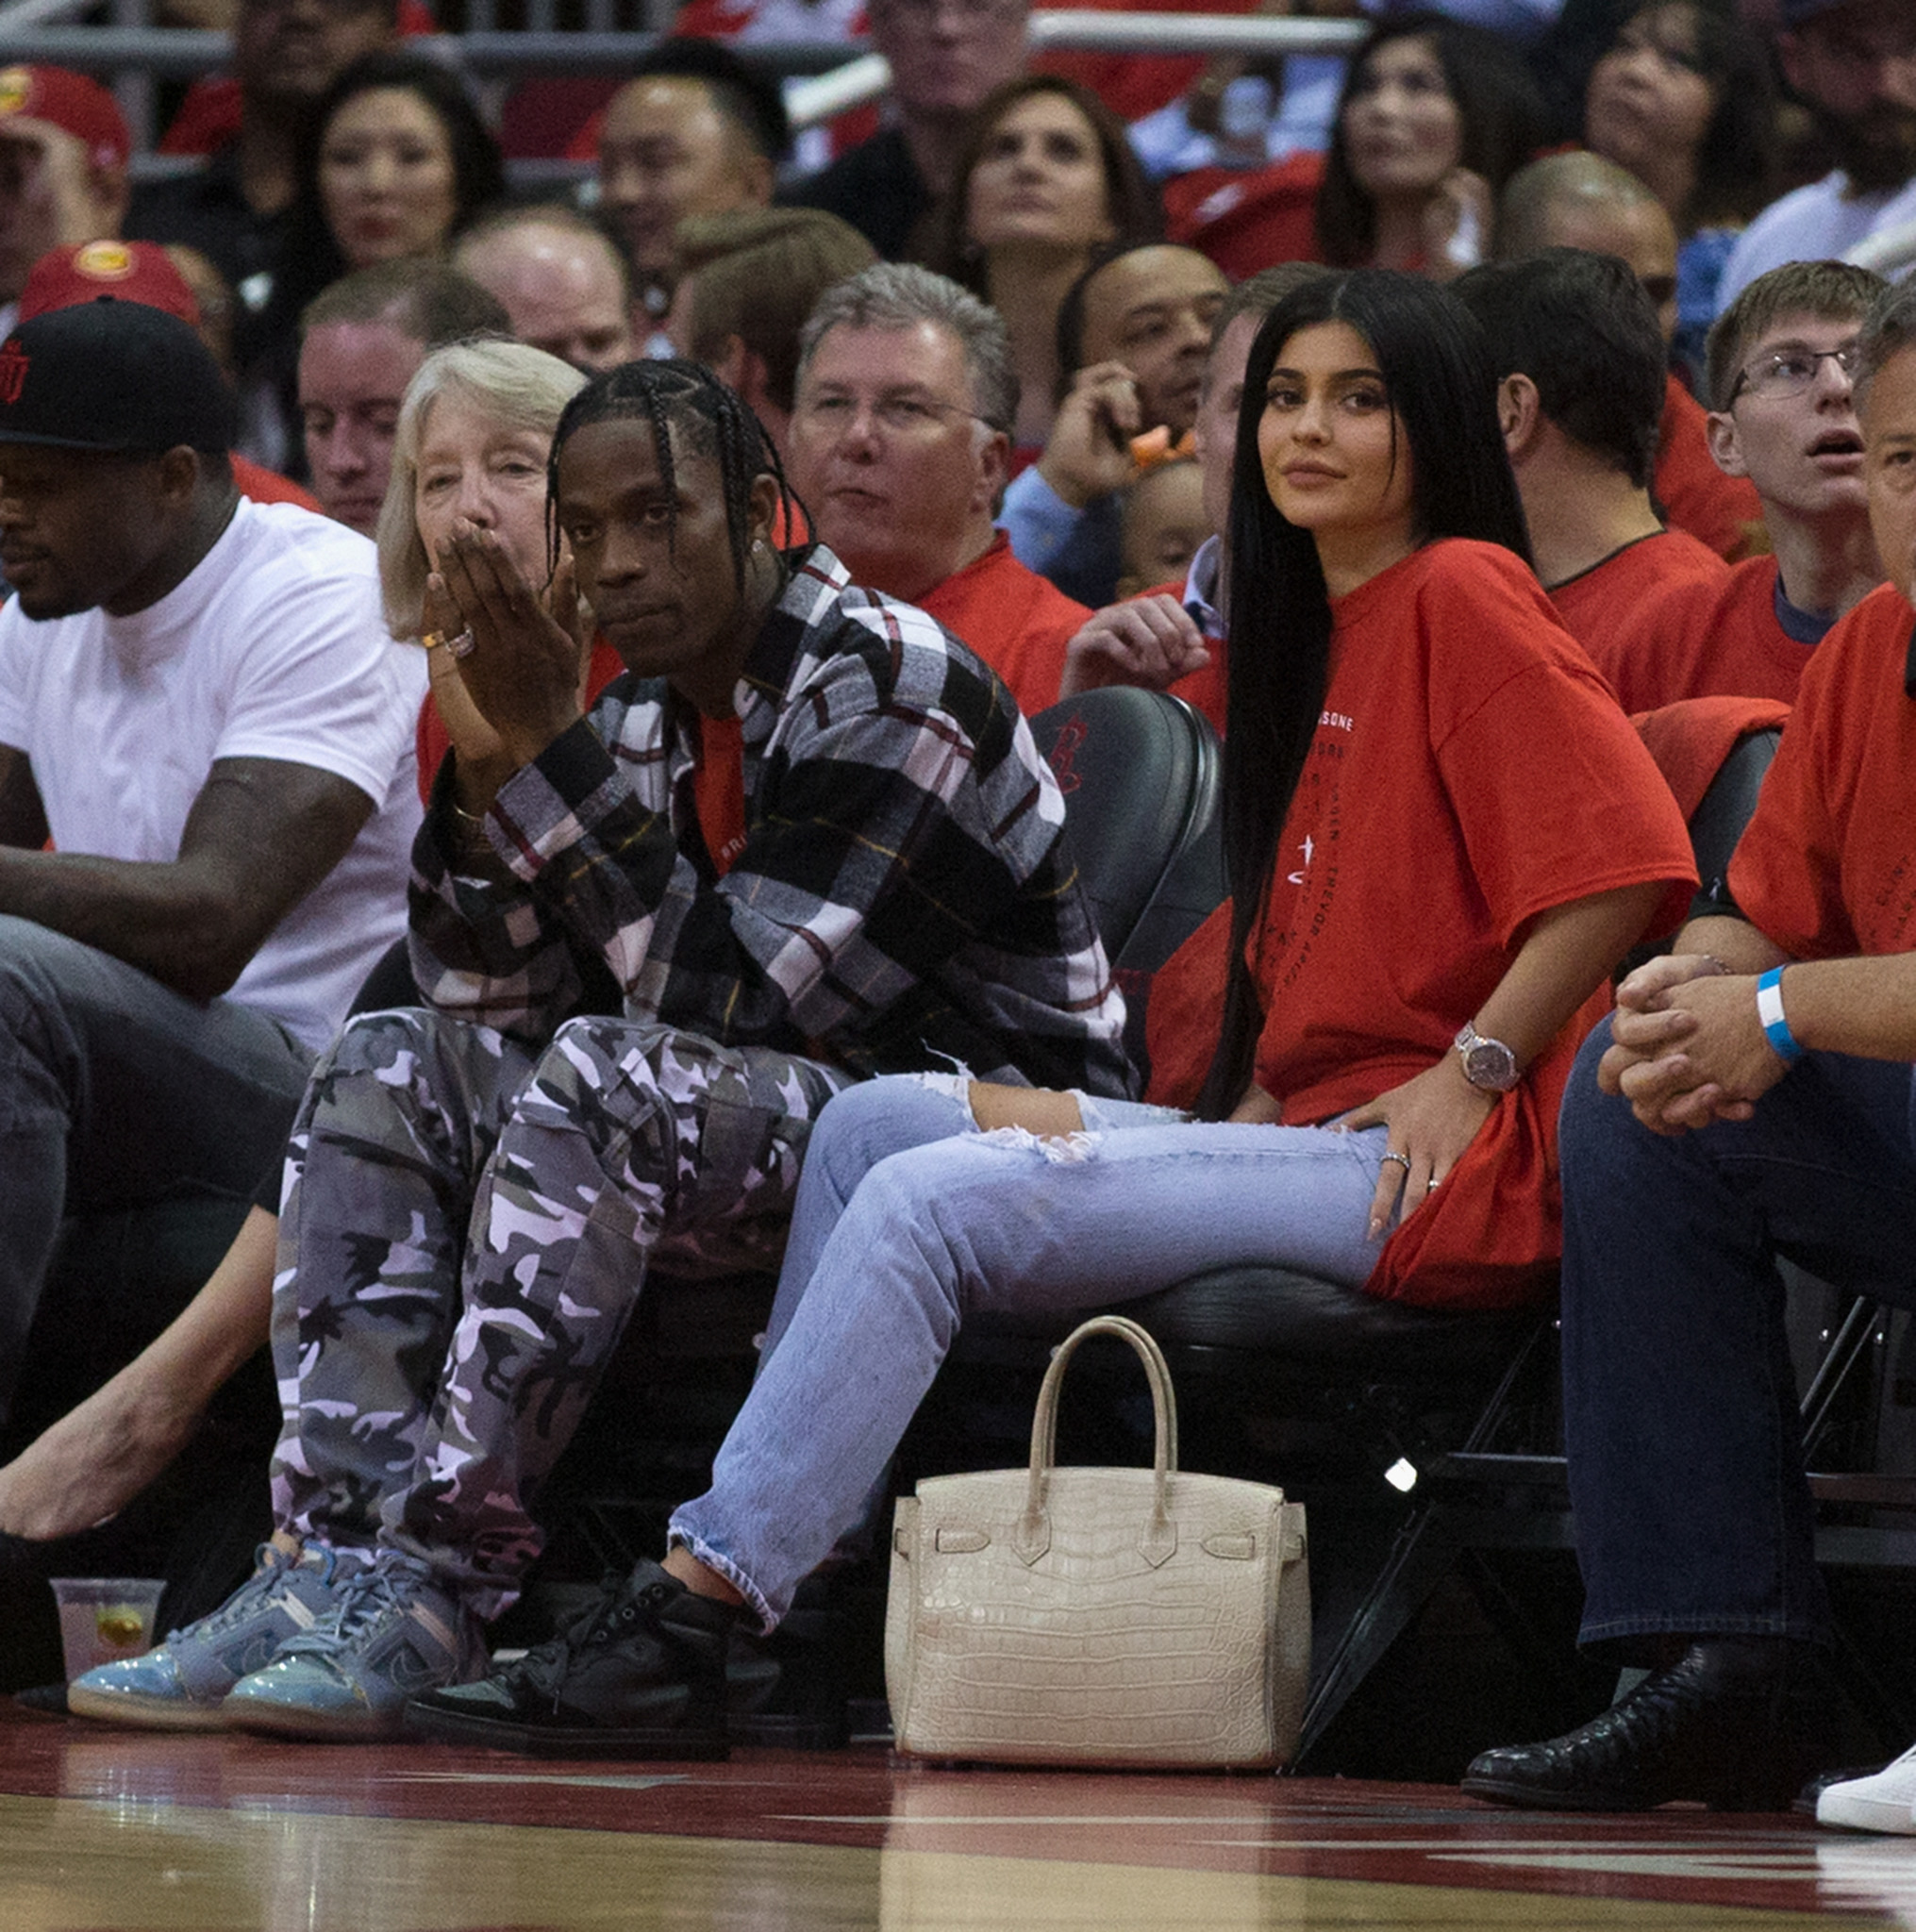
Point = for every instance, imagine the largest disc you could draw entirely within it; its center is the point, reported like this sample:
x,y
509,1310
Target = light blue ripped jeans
x,y
909,1221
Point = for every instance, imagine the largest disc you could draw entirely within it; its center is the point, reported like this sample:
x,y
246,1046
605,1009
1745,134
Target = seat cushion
x,y
1306,1321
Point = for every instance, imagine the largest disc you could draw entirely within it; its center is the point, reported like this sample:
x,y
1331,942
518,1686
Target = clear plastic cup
x,y
103,1619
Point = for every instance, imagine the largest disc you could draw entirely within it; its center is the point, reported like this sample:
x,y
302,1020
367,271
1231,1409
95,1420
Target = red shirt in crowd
x,y
1724,512
1248,220
1823,867
1014,619
256,481
1700,639
1469,769
1613,609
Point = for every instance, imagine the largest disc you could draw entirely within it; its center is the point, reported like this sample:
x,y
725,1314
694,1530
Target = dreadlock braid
x,y
710,420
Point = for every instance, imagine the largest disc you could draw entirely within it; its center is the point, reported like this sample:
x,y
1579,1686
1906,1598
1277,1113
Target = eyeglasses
x,y
899,414
1791,372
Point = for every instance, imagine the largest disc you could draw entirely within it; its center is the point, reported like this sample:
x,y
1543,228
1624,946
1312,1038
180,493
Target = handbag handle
x,y
1159,1540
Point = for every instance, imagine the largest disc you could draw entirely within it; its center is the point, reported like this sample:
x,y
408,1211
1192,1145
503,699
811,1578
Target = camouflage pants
x,y
466,1228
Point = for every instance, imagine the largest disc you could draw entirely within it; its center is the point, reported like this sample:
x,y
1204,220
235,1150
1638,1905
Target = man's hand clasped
x,y
1688,1046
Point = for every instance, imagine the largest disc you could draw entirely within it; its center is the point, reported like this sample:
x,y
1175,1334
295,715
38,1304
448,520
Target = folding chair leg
x,y
1418,1563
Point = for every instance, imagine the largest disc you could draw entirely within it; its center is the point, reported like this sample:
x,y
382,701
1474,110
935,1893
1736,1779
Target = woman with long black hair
x,y
1443,835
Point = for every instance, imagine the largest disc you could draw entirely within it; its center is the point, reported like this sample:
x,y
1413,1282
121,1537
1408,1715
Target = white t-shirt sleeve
x,y
16,669
316,679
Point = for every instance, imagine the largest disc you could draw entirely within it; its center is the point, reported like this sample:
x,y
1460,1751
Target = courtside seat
x,y
1404,1388
1141,776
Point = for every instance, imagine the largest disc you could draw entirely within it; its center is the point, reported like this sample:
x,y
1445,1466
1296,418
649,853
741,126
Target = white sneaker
x,y
1884,1801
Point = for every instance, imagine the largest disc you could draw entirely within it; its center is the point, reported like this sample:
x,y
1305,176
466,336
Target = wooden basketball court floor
x,y
138,1832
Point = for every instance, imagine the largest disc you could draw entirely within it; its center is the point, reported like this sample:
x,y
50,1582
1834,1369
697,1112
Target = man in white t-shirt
x,y
1853,64
201,709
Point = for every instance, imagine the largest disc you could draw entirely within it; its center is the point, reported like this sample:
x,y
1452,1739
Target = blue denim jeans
x,y
909,1221
1680,1403
116,1091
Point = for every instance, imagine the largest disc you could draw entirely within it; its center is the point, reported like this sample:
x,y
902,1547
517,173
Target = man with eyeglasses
x,y
286,54
945,57
1782,363
1852,63
1751,1098
898,443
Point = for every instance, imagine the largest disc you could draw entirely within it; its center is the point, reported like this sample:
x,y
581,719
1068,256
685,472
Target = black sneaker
x,y
640,1674
1731,1725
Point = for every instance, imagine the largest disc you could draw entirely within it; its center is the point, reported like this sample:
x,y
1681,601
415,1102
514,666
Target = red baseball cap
x,y
72,103
129,271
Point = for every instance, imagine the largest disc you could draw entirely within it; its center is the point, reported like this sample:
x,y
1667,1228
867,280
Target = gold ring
x,y
433,639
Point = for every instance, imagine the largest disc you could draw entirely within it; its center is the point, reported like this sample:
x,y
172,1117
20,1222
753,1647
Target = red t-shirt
x,y
254,480
718,789
1699,639
1251,220
1612,610
1724,512
1469,769
1014,619
1824,867
432,743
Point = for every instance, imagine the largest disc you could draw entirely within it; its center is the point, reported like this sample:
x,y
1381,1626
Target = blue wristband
x,y
1769,1011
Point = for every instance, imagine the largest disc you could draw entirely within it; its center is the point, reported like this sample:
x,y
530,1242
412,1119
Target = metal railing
x,y
835,76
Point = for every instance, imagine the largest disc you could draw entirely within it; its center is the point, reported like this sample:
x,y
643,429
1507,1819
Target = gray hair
x,y
524,388
899,294
1887,330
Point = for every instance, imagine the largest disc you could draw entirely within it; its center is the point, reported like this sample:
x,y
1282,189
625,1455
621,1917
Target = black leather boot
x,y
640,1674
1736,1724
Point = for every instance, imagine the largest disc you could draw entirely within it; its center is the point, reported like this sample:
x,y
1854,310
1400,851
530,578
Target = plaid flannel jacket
x,y
904,893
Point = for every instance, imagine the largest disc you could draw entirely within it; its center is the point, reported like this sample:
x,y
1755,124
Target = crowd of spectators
x,y
663,768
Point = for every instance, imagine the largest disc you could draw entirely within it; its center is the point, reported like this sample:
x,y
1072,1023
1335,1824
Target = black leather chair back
x,y
1141,774
1718,821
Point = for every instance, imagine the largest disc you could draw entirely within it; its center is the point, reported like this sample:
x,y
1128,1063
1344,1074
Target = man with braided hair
x,y
809,839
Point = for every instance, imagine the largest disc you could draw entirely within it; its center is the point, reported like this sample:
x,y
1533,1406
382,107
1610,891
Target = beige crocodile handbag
x,y
1098,1616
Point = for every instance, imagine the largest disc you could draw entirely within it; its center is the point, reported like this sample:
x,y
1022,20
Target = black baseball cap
x,y
115,376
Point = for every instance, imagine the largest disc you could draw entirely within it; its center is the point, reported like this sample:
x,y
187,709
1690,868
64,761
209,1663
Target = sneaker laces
x,y
545,1667
388,1583
271,1563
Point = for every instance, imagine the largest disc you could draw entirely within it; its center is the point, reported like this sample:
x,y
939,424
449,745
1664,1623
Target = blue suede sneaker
x,y
392,1632
181,1685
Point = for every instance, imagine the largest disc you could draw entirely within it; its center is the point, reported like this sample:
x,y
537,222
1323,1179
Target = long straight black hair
x,y
1442,389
